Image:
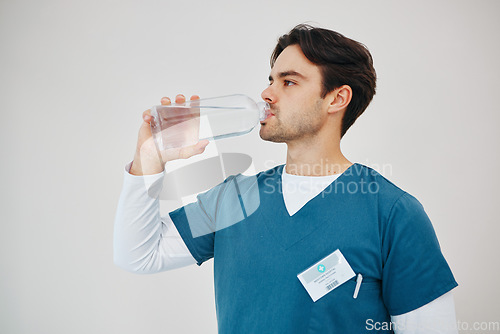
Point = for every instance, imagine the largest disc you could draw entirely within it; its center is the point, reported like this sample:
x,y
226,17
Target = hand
x,y
147,159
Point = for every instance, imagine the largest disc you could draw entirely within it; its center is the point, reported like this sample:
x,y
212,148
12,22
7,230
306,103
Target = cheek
x,y
298,112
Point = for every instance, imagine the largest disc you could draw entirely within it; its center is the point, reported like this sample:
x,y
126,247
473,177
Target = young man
x,y
346,253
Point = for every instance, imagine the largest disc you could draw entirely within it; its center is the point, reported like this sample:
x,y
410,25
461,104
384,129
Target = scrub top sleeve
x,y
196,221
415,271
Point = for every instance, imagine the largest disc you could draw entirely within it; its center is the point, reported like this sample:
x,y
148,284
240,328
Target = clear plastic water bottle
x,y
179,125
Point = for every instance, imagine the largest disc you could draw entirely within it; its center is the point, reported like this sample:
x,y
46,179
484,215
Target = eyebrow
x,y
287,74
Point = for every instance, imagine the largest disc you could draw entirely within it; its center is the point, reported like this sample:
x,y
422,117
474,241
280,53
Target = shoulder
x,y
371,175
378,183
243,185
389,196
248,181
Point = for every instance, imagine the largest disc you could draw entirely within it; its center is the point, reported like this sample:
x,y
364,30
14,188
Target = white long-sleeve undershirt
x,y
146,243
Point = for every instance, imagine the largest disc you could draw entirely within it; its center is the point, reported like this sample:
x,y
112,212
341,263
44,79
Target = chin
x,y
263,137
271,138
264,134
271,134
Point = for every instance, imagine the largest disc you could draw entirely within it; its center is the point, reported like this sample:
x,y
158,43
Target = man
x,y
346,253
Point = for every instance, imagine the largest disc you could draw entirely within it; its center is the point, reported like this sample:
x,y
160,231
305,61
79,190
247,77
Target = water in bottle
x,y
179,125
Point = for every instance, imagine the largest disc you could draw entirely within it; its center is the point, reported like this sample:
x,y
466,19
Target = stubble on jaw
x,y
304,125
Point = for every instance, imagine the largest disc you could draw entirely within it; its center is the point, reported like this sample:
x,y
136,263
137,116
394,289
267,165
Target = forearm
x,y
143,241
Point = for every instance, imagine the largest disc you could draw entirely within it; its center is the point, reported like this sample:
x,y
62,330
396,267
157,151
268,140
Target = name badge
x,y
326,275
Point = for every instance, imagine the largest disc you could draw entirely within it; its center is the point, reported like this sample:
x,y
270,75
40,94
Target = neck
x,y
315,158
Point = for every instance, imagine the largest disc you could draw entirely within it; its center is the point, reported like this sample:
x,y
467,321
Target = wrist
x,y
146,165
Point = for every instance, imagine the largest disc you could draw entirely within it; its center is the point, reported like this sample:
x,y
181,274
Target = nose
x,y
268,95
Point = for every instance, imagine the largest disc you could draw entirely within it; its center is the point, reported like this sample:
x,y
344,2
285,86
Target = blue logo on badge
x,y
321,268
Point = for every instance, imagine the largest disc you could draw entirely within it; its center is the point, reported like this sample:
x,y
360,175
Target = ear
x,y
339,99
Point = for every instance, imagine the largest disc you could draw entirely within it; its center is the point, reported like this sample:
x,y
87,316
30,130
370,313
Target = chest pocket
x,y
339,312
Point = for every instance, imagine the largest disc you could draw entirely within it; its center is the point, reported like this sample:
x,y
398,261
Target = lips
x,y
268,115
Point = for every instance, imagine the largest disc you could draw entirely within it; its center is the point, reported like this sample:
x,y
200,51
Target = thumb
x,y
189,151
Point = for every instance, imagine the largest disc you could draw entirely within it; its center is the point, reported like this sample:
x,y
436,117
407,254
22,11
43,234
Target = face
x,y
294,94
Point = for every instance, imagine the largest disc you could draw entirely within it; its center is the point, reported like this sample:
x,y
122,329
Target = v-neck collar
x,y
311,185
320,194
287,229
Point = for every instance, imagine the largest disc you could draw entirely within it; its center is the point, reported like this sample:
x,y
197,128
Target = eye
x,y
289,83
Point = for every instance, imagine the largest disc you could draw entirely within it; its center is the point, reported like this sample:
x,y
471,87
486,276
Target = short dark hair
x,y
342,61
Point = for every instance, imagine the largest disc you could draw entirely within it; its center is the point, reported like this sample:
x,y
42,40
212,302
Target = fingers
x,y
189,151
201,145
184,152
195,102
165,101
146,116
180,99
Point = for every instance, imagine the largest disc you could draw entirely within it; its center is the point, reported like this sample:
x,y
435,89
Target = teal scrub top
x,y
259,249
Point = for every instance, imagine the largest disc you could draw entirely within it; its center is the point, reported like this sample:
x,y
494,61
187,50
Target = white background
x,y
76,76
